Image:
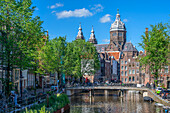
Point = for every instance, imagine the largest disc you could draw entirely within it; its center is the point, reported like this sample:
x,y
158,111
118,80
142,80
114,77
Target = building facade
x,y
119,59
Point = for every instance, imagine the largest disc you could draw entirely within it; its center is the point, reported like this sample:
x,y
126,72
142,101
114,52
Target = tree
x,y
20,34
155,43
78,55
51,56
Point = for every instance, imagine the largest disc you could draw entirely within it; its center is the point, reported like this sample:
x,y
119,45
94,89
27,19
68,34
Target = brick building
x,y
129,66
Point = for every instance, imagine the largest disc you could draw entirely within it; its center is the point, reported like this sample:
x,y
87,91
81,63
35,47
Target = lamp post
x,y
21,78
43,83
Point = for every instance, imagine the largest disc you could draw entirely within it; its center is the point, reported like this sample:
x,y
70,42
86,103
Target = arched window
x,y
129,78
133,78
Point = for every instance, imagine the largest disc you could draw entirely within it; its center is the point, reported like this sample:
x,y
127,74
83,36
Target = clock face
x,y
114,34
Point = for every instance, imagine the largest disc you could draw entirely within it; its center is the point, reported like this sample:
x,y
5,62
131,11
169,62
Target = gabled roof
x,y
101,47
129,47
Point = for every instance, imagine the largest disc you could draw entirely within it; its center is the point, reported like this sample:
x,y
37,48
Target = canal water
x,y
132,102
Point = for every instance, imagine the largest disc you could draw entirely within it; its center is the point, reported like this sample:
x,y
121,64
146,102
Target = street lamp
x,y
21,78
43,83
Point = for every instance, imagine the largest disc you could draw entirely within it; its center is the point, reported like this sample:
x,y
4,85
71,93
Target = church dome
x,y
118,24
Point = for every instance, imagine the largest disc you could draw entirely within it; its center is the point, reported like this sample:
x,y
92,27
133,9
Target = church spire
x,y
92,37
80,33
118,15
117,11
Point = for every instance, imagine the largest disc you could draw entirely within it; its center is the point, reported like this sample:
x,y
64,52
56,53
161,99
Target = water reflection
x,y
131,102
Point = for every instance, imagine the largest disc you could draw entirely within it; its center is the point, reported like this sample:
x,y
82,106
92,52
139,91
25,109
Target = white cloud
x,y
59,5
76,13
56,5
105,18
125,20
105,40
97,8
53,11
52,7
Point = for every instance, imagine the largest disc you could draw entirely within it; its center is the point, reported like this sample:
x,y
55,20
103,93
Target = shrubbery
x,y
55,102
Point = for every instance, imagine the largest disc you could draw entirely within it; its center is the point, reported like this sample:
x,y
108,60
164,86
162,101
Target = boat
x,y
146,98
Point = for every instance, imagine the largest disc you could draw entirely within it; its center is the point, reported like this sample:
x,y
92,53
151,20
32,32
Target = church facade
x,y
113,54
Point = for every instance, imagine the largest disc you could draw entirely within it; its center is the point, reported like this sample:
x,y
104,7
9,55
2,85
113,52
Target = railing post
x,y
90,93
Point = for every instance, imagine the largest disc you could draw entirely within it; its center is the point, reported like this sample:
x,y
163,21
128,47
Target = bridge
x,y
107,88
78,89
120,89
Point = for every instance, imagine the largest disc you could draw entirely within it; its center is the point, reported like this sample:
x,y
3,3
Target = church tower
x,y
92,37
80,33
117,34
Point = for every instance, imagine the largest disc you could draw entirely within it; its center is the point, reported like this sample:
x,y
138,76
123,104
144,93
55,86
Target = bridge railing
x,y
8,105
103,84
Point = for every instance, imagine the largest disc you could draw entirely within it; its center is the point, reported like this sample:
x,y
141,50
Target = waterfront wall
x,y
158,99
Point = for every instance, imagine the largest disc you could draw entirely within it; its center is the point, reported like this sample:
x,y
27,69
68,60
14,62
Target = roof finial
x,y
92,31
80,26
117,11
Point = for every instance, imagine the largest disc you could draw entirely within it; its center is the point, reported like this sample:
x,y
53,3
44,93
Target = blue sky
x,y
62,17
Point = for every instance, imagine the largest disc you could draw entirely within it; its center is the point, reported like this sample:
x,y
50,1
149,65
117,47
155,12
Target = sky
x,y
62,17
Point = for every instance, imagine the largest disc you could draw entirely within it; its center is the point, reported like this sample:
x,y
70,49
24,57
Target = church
x,y
118,59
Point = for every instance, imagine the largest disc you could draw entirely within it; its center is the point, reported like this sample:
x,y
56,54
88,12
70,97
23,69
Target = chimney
x,y
146,30
146,33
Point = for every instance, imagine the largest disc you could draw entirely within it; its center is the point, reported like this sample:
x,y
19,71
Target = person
x,y
86,80
153,85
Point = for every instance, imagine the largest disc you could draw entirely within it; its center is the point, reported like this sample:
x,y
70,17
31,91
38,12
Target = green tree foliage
x,y
78,54
20,35
51,56
156,43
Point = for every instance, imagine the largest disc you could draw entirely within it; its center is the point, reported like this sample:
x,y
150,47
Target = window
x,y
137,64
122,73
125,73
166,69
114,34
121,62
120,34
137,71
129,78
133,71
125,67
122,68
128,60
133,78
125,62
122,79
133,64
129,71
125,79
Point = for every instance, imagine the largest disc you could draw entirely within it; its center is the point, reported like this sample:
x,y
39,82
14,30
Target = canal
x,y
131,102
